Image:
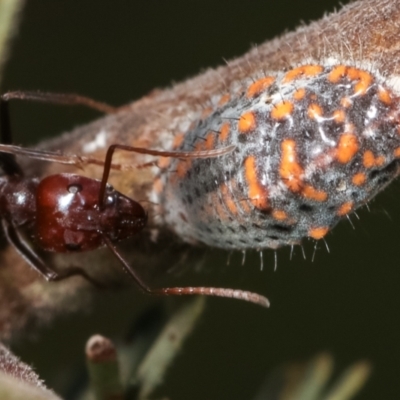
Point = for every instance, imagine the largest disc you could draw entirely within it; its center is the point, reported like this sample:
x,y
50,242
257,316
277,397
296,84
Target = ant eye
x,y
75,188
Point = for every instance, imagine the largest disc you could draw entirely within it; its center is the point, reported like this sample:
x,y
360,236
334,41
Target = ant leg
x,y
8,161
69,99
179,291
33,259
27,253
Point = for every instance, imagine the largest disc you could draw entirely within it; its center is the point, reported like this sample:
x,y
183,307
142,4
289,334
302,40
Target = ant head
x,y
120,216
69,216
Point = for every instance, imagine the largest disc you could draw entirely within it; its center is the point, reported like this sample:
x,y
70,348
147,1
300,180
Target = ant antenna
x,y
180,291
70,99
162,153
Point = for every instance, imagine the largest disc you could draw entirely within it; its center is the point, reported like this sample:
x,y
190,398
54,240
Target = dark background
x,y
346,302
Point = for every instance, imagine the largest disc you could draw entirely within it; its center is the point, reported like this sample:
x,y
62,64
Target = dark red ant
x,y
73,213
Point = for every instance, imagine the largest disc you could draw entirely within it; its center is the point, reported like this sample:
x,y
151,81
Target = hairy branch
x,y
364,33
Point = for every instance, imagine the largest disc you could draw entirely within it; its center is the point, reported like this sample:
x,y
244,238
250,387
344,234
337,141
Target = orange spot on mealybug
x,y
310,192
210,141
290,170
369,160
345,208
339,116
183,167
244,205
200,145
247,122
178,140
379,161
158,186
364,78
282,110
242,202
347,147
206,112
359,179
384,96
346,102
259,86
337,73
397,152
224,99
228,199
304,70
258,194
164,162
318,233
299,94
314,111
279,215
224,132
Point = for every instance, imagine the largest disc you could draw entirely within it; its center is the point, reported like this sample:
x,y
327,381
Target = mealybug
x,y
312,144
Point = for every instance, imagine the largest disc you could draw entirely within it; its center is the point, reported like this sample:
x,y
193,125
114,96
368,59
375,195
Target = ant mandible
x,y
73,213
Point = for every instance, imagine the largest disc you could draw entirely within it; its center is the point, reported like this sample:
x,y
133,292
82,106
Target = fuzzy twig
x,y
364,31
18,381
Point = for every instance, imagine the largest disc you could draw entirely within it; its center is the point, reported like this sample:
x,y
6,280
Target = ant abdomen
x,y
17,200
70,218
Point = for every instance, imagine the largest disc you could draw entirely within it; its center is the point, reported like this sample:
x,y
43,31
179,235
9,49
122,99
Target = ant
x,y
74,213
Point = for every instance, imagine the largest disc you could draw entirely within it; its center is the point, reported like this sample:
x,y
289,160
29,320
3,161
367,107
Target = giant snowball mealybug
x,y
313,144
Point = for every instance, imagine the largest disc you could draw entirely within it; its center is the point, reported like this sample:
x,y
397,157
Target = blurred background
x,y
345,302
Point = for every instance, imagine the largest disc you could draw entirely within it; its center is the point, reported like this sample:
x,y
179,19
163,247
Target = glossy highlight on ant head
x,y
70,218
